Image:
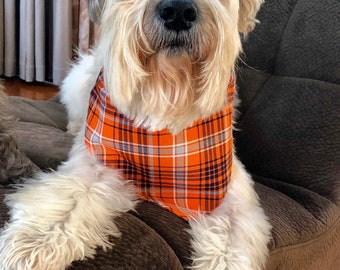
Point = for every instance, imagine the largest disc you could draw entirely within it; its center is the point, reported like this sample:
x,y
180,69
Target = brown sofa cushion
x,y
288,133
40,130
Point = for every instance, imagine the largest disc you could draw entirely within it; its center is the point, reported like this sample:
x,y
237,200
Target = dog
x,y
161,69
14,165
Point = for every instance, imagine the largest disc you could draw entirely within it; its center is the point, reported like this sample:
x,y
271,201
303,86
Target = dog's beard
x,y
172,80
164,79
170,89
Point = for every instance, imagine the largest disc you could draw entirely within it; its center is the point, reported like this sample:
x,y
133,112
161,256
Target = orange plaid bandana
x,y
185,173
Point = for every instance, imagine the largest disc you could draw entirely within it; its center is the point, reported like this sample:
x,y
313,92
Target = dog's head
x,y
168,62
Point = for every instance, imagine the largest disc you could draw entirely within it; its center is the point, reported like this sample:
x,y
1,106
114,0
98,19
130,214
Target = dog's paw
x,y
210,243
57,220
214,248
28,248
51,228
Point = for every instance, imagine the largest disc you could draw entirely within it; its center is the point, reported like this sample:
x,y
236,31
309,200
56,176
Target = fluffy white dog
x,y
158,128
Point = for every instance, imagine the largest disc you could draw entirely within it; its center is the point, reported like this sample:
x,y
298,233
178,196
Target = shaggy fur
x,y
80,79
161,79
95,9
161,87
14,165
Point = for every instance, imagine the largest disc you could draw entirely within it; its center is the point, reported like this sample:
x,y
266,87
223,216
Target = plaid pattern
x,y
184,173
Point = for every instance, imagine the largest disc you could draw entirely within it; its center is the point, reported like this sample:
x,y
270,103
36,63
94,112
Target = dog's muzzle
x,y
177,15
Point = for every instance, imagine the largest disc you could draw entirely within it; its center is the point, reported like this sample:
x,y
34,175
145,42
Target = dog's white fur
x,y
49,227
75,89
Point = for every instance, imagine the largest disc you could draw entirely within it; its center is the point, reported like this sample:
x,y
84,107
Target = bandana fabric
x,y
185,173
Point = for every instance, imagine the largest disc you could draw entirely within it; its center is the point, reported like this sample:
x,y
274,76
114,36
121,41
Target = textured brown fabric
x,y
320,253
138,248
303,238
48,113
47,147
288,132
13,163
3,209
170,227
40,130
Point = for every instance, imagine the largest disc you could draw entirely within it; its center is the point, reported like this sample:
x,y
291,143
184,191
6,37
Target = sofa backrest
x,y
289,86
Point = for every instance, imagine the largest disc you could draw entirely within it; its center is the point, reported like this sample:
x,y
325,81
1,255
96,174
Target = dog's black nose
x,y
177,15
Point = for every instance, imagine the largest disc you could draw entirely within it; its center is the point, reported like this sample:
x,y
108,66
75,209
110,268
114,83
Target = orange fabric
x,y
185,173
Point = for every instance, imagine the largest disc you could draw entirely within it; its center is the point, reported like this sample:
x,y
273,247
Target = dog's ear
x,y
95,8
247,15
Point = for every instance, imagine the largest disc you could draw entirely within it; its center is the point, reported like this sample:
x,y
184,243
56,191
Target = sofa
x,y
287,135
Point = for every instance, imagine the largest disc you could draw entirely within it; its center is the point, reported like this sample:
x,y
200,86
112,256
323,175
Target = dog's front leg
x,y
76,87
235,235
63,216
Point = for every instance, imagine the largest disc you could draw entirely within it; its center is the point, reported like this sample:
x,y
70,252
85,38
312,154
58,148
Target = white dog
x,y
166,73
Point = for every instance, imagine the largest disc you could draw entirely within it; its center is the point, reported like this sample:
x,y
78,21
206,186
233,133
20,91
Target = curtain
x,y
85,32
38,37
8,52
